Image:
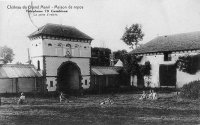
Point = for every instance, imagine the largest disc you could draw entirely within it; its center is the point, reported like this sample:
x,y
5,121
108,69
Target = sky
x,y
103,20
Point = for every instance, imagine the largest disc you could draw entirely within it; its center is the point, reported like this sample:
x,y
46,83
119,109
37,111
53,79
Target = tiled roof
x,y
171,43
60,31
18,71
109,70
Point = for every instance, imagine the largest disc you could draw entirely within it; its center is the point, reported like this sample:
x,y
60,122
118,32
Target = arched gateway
x,y
69,77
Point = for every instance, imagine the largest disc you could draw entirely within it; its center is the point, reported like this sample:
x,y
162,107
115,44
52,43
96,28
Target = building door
x,y
68,77
140,81
167,75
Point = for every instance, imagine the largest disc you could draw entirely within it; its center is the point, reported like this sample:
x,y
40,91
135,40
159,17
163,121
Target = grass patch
x,y
127,109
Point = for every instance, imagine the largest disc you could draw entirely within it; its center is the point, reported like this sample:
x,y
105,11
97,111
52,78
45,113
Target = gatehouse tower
x,y
62,55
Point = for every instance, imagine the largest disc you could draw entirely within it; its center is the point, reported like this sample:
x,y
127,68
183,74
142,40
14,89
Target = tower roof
x,y
57,30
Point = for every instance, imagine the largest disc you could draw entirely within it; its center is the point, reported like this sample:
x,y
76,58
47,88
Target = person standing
x,y
154,95
62,97
21,99
144,96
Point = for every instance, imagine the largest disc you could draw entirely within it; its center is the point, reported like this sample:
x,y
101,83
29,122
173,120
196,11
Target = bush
x,y
191,90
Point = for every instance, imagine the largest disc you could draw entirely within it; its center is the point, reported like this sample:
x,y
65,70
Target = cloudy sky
x,y
103,20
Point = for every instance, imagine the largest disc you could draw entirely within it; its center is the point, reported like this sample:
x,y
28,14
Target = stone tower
x,y
62,55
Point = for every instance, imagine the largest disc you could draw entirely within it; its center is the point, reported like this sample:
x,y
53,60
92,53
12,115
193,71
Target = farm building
x,y
163,53
19,78
103,78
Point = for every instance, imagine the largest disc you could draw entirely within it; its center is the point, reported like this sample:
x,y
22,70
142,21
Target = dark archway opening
x,y
69,78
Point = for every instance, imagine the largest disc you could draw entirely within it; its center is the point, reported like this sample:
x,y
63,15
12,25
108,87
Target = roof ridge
x,y
22,65
42,28
55,24
174,42
180,33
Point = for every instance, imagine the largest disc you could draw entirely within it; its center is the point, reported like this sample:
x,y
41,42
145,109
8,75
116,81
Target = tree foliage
x,y
131,64
133,67
100,56
145,69
189,64
191,90
7,54
120,54
133,35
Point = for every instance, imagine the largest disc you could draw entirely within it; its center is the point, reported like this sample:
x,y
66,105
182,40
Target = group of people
x,y
152,95
21,99
107,101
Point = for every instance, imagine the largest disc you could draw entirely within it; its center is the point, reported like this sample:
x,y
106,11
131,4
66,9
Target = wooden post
x,y
99,84
17,86
35,81
12,85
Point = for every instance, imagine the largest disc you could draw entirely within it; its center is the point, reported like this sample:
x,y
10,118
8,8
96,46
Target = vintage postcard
x,y
99,62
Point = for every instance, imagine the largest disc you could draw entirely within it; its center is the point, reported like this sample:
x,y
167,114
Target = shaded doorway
x,y
140,81
167,75
68,77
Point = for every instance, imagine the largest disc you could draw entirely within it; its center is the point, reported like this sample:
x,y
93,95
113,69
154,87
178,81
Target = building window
x,y
167,57
60,44
49,44
38,64
51,83
76,46
68,46
85,82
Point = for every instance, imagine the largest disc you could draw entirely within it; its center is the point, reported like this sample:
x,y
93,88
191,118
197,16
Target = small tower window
x,y
76,46
49,44
51,83
38,64
85,82
60,44
68,46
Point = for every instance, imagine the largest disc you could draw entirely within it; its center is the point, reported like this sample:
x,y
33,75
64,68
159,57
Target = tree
x,y
131,65
100,56
133,35
120,54
189,63
7,54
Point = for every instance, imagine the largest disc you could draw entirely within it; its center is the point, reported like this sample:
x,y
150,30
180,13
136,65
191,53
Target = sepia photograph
x,y
99,62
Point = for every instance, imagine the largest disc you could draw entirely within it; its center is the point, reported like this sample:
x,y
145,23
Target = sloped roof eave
x,y
105,70
18,71
171,43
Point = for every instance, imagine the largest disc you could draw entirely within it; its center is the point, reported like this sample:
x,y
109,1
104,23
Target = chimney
x,y
111,59
29,60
